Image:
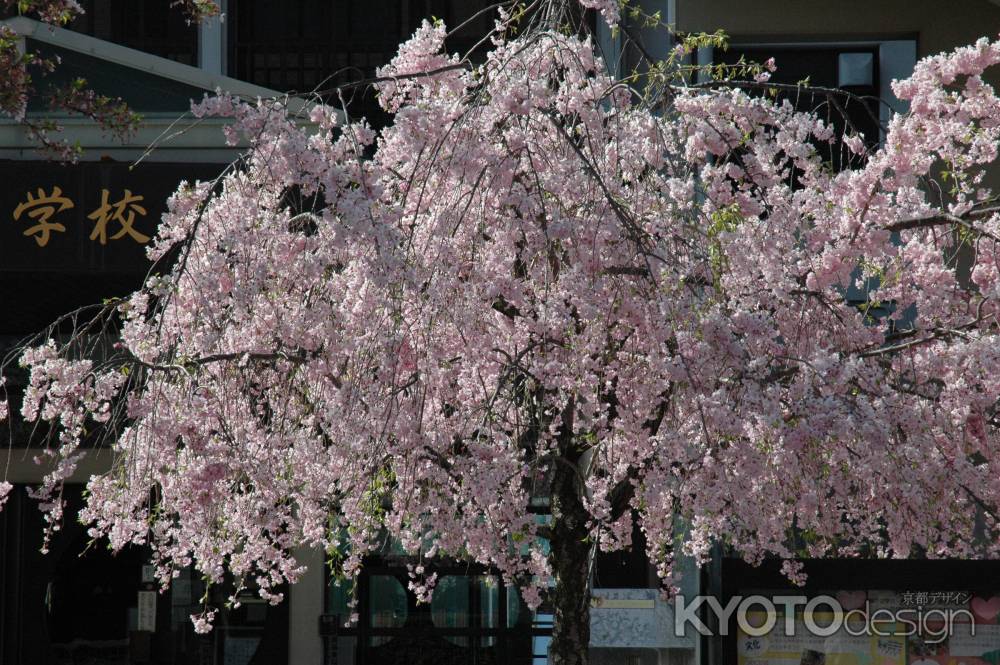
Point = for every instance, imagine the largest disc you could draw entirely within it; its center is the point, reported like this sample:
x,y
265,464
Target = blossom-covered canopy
x,y
536,271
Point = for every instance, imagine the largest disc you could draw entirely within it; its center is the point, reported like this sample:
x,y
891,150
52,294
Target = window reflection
x,y
450,606
387,603
471,619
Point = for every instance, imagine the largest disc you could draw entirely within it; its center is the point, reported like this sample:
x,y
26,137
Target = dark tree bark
x,y
570,557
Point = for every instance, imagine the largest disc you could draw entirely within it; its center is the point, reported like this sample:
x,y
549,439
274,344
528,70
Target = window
x,y
472,618
314,45
834,64
80,603
853,69
152,26
626,569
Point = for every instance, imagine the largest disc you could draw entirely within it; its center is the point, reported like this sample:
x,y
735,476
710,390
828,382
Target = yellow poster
x,y
848,645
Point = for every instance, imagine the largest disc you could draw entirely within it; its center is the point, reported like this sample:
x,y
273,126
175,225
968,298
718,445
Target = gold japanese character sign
x,y
43,209
76,234
94,217
123,212
40,210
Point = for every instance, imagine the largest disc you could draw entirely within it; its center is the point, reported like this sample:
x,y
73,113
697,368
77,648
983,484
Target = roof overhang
x,y
152,64
168,131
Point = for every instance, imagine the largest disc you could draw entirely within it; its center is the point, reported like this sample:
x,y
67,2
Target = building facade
x,y
67,607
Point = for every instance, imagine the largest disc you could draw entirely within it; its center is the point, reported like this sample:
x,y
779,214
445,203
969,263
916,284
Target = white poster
x,y
147,611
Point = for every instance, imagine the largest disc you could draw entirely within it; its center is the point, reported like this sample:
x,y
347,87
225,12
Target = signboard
x,y
634,618
86,217
74,235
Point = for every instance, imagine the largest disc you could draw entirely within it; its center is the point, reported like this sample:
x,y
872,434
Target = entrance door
x,y
472,619
71,605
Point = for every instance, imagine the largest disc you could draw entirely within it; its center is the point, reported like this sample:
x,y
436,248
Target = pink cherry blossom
x,y
534,286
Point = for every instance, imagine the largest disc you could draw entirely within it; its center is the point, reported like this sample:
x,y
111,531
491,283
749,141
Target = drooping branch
x,y
947,219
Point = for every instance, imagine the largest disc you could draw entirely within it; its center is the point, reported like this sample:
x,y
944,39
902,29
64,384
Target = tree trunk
x,y
570,557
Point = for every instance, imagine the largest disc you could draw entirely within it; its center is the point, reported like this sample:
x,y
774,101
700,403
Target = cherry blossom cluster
x,y
401,336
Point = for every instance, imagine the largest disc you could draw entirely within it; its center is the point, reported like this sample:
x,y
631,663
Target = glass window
x,y
472,618
338,598
450,606
80,604
627,568
314,45
823,67
387,606
153,26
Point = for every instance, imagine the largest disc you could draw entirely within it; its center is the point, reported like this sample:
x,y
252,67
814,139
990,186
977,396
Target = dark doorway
x,y
472,619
